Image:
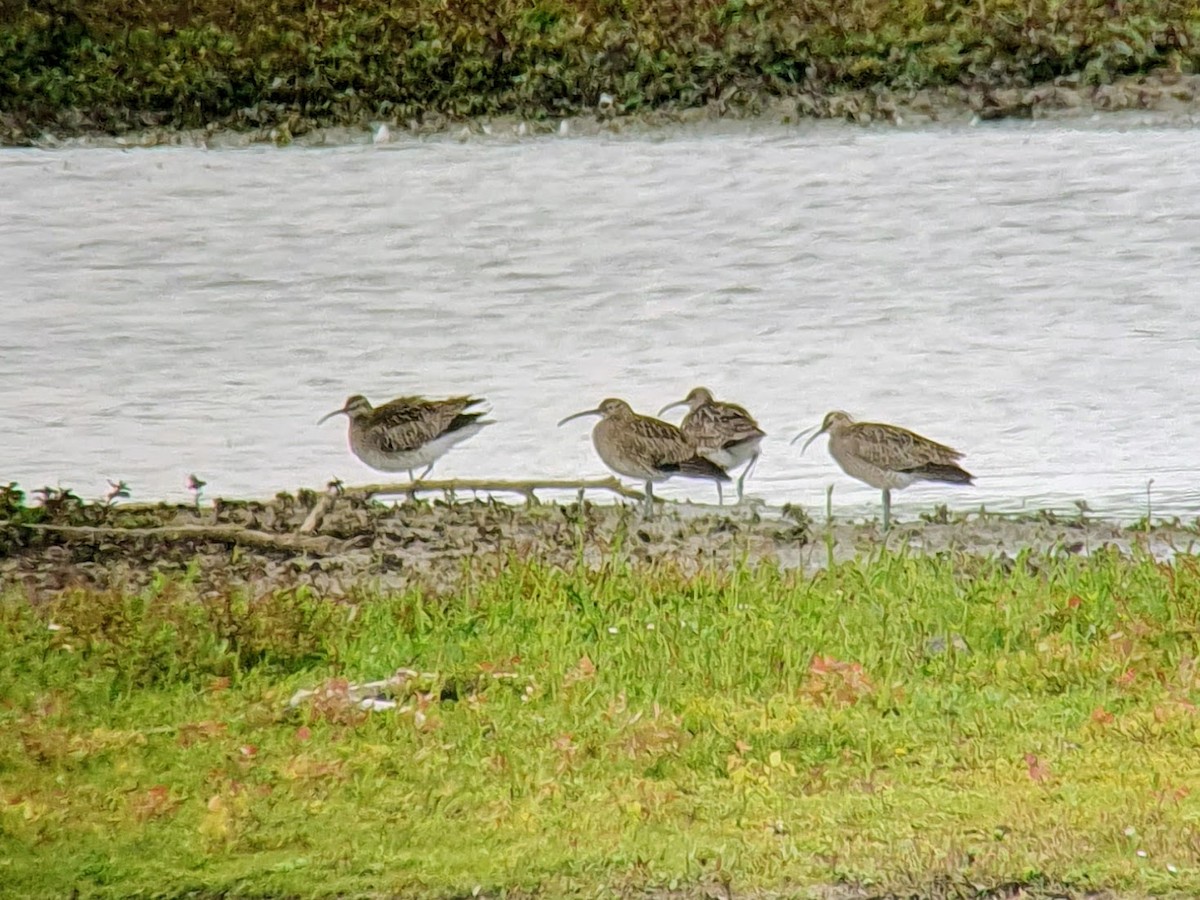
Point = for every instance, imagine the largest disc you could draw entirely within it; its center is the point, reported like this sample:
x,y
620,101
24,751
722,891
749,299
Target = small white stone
x,y
1142,853
613,629
522,130
1171,868
1130,831
382,135
378,703
649,626
606,100
563,128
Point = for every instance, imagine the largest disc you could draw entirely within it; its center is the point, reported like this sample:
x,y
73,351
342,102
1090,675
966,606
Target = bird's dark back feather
x,y
950,474
698,467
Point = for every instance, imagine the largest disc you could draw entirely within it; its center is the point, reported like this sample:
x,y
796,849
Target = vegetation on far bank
x,y
112,65
943,722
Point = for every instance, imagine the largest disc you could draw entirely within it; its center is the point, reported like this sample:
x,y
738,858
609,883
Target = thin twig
x,y
313,520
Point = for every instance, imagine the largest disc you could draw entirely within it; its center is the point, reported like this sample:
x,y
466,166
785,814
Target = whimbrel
x,y
722,432
408,432
886,456
645,448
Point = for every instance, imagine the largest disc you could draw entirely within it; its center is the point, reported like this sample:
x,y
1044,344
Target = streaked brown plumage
x,y
645,448
886,456
722,432
409,432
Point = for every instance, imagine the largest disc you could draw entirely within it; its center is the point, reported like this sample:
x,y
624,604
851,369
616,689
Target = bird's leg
x,y
887,509
428,469
720,495
741,482
648,509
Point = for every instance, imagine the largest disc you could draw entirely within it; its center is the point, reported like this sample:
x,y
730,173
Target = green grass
x,y
594,732
117,64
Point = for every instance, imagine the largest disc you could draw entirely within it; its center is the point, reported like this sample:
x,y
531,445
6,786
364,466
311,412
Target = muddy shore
x,y
1161,98
354,541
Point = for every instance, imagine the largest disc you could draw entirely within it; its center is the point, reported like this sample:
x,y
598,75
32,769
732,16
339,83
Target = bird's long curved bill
x,y
578,415
327,417
811,438
672,406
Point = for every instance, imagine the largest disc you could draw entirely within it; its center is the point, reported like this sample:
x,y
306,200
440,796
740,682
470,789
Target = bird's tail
x,y
462,420
947,472
699,467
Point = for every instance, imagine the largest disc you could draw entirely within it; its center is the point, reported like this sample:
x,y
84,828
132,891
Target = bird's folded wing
x,y
892,447
721,425
408,423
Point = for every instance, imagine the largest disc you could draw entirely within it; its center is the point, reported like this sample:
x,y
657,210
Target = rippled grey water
x,y
1026,294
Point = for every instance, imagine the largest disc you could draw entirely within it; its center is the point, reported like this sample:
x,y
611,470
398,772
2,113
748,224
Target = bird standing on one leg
x,y
723,432
409,432
645,448
886,456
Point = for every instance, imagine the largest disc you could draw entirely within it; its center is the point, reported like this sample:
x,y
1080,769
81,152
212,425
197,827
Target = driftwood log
x,y
224,534
526,488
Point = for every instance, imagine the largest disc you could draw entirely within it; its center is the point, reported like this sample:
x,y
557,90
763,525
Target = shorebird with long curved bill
x,y
645,448
887,457
409,432
722,432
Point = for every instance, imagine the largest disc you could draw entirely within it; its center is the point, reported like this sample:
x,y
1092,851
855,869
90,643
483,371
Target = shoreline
x,y
1156,99
333,542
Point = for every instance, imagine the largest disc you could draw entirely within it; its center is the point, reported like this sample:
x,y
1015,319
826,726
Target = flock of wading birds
x,y
714,438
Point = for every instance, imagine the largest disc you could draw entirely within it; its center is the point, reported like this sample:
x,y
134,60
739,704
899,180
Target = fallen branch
x,y
225,534
525,488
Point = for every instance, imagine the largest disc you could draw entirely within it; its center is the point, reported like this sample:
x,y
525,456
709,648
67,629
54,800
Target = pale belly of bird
x,y
381,458
732,457
883,479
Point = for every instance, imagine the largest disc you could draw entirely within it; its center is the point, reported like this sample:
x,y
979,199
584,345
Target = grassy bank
x,y
112,65
932,721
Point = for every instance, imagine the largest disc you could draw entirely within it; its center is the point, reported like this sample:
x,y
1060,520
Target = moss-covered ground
x,y
294,65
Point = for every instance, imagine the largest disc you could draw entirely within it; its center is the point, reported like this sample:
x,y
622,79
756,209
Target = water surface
x,y
1027,294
